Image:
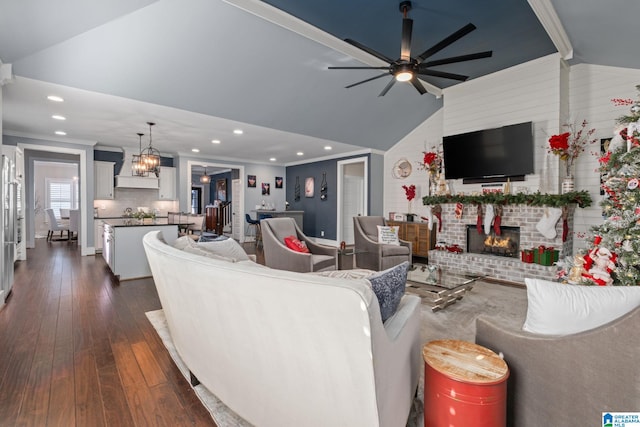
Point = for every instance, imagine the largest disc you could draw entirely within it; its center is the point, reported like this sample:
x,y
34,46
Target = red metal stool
x,y
465,385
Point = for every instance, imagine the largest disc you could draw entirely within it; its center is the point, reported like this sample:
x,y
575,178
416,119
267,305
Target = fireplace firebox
x,y
507,244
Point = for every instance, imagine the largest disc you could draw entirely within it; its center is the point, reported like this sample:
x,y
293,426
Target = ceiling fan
x,y
407,68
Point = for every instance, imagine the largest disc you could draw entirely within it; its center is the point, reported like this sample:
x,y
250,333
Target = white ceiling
x,y
201,68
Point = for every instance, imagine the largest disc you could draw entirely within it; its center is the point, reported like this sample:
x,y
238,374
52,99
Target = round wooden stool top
x,y
465,361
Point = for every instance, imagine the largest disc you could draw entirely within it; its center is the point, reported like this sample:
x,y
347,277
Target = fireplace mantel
x,y
580,198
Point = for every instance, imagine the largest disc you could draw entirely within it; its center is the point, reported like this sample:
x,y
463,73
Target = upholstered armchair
x,y
373,255
278,255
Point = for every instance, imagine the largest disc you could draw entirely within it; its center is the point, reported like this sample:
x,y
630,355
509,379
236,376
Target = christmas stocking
x,y
547,224
437,211
488,219
479,220
498,220
565,223
429,218
459,210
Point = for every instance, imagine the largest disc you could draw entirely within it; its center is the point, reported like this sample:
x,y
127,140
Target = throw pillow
x,y
559,309
202,252
183,242
228,248
295,244
388,235
389,286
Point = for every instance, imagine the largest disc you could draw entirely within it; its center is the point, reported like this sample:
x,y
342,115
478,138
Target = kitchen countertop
x,y
132,222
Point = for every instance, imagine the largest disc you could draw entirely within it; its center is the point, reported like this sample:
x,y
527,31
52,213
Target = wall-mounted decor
x,y
279,181
266,188
251,181
296,190
308,187
323,187
221,189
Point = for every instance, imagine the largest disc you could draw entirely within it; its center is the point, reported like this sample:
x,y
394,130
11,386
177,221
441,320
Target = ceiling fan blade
x,y
442,74
387,87
358,68
416,83
446,42
405,45
453,59
364,81
369,50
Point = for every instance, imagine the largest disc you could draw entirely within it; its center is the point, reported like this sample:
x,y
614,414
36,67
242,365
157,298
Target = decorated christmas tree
x,y
614,255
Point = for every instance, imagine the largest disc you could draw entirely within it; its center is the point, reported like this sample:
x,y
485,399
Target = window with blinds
x,y
61,194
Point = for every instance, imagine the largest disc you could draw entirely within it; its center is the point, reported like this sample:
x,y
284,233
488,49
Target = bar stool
x,y
259,235
252,224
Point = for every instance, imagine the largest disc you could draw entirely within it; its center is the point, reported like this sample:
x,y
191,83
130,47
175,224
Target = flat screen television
x,y
491,153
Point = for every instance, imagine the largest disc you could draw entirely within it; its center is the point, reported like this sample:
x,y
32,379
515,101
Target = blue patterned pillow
x,y
389,286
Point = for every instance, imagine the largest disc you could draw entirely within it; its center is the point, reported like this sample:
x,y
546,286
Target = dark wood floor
x,y
77,349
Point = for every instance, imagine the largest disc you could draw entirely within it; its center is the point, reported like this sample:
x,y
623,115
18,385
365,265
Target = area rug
x,y
506,304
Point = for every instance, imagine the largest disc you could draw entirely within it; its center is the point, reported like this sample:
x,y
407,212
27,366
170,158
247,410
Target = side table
x,y
464,385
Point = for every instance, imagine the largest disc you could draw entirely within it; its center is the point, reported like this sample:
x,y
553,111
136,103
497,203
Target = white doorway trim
x,y
84,250
227,166
340,187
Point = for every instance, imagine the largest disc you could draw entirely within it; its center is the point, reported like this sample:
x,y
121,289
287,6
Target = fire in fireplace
x,y
506,244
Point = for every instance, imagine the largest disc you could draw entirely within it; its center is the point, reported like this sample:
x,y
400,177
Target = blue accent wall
x,y
319,215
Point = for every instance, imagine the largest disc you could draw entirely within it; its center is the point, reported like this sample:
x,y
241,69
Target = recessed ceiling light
x,y
273,159
238,131
327,147
215,141
300,153
195,150
58,117
60,132
55,98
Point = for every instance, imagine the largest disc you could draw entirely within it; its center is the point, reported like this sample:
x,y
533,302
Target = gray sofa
x,y
568,380
372,255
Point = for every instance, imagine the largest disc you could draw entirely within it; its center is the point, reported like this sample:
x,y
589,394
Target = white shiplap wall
x,y
544,91
592,88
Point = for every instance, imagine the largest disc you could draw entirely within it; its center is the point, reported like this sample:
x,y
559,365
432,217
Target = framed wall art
x,y
279,181
251,181
221,189
266,188
309,186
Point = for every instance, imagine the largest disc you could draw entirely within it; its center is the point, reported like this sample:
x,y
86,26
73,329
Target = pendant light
x,y
137,166
205,179
150,157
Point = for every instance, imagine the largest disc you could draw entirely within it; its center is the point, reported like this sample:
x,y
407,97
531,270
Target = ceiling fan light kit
x,y
408,68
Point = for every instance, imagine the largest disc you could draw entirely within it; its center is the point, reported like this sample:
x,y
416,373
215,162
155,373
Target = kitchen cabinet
x,y
123,250
167,185
420,235
103,180
98,234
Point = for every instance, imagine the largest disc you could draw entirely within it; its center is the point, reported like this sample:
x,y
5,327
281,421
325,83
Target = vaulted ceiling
x,y
201,68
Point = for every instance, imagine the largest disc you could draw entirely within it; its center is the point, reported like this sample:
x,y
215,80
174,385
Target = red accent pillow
x,y
295,244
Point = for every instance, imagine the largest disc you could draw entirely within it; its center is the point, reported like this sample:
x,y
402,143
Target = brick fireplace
x,y
522,217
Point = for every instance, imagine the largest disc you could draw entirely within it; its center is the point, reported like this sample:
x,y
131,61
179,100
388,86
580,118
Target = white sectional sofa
x,y
289,349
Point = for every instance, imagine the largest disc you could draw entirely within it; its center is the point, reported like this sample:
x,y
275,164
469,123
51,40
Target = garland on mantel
x,y
581,198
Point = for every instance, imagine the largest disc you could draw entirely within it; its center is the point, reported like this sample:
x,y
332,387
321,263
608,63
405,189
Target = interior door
x,y
237,231
352,195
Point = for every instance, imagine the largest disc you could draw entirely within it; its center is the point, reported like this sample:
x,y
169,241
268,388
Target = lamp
x,y
137,167
150,157
205,179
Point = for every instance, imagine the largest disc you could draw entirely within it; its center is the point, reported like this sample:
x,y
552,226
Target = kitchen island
x,y
122,245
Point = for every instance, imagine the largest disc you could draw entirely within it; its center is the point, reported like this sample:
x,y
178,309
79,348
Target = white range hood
x,y
132,181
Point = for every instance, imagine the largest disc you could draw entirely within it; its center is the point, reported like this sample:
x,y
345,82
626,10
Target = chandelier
x,y
205,179
137,167
150,157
